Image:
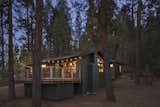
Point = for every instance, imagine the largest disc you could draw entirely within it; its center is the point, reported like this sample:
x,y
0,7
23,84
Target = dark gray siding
x,y
53,91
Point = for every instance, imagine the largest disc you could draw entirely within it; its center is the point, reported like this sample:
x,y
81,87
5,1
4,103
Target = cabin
x,y
64,77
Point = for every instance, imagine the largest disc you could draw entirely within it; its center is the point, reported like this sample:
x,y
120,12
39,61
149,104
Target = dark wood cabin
x,y
64,77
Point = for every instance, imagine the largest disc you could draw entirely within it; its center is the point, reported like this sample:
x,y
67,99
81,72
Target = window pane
x,y
78,70
100,64
57,71
74,70
28,73
67,71
46,72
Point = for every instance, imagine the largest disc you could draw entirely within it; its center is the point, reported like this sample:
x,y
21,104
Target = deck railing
x,y
53,73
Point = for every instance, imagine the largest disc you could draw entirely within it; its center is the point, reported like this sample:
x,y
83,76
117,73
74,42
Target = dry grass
x,y
127,94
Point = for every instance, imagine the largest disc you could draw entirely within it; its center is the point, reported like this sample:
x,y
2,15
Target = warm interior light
x,y
44,65
74,62
99,64
120,68
70,64
111,65
98,60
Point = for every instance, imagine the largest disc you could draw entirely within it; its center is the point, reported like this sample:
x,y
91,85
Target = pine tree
x,y
2,43
105,15
79,7
36,56
49,16
25,19
11,87
90,40
138,42
60,30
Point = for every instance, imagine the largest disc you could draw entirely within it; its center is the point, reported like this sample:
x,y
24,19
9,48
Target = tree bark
x,y
36,57
108,78
131,42
138,43
104,21
11,85
2,41
28,32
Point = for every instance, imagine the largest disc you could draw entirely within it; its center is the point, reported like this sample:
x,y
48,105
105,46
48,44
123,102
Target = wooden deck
x,y
54,81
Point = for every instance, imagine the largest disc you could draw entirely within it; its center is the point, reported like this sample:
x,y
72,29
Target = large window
x,y
76,69
46,72
67,70
60,69
57,71
28,73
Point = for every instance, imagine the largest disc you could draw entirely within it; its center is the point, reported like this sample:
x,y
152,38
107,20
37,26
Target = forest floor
x,y
127,94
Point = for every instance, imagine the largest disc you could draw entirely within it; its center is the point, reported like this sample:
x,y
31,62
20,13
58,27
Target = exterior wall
x,y
53,91
96,73
101,80
91,81
116,70
90,75
83,74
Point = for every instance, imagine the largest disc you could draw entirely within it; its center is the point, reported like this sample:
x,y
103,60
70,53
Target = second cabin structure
x,y
64,77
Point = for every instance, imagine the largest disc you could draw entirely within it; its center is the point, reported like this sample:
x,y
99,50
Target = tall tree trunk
x,y
104,17
108,78
31,27
138,43
11,87
132,12
28,32
131,43
2,41
36,57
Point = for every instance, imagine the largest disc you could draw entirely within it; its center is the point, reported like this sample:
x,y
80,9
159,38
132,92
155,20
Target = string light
x,y
98,60
111,65
44,66
70,64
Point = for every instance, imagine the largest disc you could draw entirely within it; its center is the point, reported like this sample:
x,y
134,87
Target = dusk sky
x,y
72,13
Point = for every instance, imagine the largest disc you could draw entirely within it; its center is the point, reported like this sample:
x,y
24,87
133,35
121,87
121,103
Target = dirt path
x,y
4,93
127,94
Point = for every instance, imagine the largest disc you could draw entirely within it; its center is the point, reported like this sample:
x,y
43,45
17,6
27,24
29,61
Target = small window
x,y
100,63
